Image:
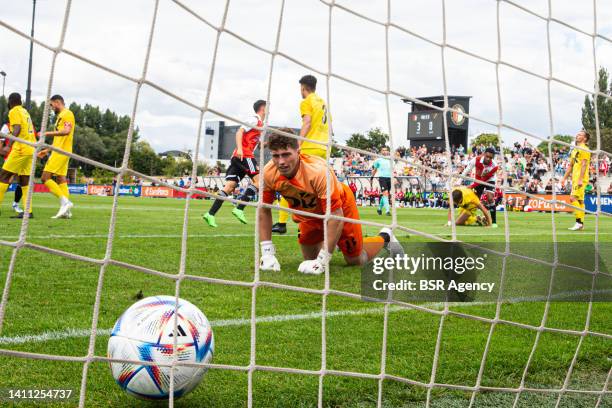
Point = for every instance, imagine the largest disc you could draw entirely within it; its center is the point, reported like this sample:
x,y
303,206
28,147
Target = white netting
x,y
258,282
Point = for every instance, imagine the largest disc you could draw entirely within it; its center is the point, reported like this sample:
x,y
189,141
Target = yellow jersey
x,y
64,119
576,158
469,200
20,116
315,107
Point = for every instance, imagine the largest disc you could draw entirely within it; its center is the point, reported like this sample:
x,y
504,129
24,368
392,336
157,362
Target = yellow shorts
x,y
578,191
57,164
471,219
322,153
18,164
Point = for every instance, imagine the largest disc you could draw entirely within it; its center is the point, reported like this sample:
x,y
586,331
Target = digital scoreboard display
x,y
426,125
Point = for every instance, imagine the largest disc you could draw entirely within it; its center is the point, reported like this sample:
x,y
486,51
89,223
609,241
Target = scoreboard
x,y
426,125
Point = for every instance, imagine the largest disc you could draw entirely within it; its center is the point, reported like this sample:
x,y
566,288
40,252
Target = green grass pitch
x,y
51,295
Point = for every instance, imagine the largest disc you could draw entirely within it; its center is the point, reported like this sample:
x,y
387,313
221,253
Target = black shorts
x,y
240,168
385,184
480,189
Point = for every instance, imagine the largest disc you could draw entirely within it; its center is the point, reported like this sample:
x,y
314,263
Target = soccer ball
x,y
145,332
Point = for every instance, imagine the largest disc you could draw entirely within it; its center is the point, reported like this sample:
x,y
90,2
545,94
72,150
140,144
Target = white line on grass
x,y
76,333
69,236
138,236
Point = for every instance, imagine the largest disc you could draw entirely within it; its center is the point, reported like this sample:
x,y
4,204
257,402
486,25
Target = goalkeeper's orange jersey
x,y
307,190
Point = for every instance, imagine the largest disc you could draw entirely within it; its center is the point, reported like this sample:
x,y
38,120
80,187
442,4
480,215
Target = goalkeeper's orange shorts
x,y
310,230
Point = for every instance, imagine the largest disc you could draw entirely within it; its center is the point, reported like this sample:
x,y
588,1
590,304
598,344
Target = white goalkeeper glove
x,y
315,266
268,261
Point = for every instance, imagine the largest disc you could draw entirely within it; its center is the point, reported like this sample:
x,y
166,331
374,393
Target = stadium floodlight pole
x,y
2,110
3,80
29,90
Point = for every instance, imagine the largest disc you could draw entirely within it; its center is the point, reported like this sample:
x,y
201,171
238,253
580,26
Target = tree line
x,y
101,134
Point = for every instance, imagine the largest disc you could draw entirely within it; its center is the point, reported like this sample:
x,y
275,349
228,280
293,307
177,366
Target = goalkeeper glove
x,y
268,261
315,266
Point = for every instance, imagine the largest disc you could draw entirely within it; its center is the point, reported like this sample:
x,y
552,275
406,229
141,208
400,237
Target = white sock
x,y
64,201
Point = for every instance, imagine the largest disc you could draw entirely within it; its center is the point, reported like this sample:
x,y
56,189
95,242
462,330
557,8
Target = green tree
x,y
604,111
486,139
358,141
92,117
169,167
375,140
184,167
102,176
543,146
144,159
88,143
378,139
108,123
3,110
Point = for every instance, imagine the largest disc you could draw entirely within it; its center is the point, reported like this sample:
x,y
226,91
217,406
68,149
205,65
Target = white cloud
x,y
115,33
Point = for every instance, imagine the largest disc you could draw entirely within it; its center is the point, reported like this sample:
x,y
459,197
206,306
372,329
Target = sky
x,y
115,33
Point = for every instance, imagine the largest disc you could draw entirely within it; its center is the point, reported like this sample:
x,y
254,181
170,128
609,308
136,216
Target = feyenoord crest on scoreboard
x,y
426,125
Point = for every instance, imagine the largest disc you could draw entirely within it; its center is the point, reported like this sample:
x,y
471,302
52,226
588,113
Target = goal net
x,y
441,323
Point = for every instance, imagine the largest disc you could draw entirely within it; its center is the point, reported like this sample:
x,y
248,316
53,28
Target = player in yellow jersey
x,y
57,165
19,161
315,126
466,200
579,168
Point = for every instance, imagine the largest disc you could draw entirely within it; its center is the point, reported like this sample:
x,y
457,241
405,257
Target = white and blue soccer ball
x,y
145,332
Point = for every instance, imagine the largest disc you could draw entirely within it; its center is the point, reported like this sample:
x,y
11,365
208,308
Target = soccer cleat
x,y
66,216
17,208
388,214
240,215
394,246
279,228
577,227
64,209
493,225
20,215
210,220
379,211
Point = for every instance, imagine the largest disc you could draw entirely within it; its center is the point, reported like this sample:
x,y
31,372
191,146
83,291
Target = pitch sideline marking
x,y
138,236
77,333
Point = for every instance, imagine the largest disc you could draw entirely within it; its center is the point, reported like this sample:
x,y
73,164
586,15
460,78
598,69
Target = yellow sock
x,y
54,188
579,214
283,216
24,190
3,188
373,245
65,191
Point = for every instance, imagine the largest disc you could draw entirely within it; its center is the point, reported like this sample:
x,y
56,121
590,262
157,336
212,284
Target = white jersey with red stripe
x,y
483,172
250,137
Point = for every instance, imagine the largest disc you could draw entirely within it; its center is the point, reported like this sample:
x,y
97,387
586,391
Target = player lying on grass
x,y
243,163
467,201
302,180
